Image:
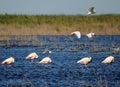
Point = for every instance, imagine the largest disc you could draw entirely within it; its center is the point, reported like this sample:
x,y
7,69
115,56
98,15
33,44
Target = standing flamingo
x,y
32,56
46,60
9,60
85,60
109,59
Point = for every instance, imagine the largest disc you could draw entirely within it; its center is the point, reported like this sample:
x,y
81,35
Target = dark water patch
x,y
64,70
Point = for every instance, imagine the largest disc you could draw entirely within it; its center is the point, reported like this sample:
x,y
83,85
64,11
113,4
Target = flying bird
x,y
46,60
9,60
85,60
77,33
108,60
91,10
90,35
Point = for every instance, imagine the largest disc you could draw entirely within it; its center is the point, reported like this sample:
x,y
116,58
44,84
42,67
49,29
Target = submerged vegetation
x,y
58,24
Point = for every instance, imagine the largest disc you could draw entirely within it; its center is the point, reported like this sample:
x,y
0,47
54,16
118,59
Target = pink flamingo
x,y
9,60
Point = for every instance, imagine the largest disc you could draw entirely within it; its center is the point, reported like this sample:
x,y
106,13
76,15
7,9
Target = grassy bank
x,y
59,25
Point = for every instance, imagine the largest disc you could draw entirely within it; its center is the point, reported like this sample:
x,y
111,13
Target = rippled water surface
x,y
64,70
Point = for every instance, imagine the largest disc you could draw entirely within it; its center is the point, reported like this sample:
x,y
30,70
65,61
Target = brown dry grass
x,y
59,25
46,29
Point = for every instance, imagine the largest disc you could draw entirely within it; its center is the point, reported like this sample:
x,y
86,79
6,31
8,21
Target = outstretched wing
x,y
91,9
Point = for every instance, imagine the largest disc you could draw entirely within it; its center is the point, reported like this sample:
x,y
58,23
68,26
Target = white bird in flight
x,y
77,33
91,10
90,35
9,60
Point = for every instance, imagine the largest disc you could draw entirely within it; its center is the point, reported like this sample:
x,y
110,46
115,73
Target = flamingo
x,y
46,60
77,33
32,56
9,60
85,60
109,59
91,10
90,35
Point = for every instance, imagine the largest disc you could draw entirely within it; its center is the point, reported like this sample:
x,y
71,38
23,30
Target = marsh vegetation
x,y
22,34
59,24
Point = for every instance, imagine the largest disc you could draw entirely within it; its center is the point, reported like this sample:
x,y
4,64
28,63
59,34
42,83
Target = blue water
x,y
64,70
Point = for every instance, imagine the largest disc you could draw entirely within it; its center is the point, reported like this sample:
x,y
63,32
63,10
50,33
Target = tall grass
x,y
58,24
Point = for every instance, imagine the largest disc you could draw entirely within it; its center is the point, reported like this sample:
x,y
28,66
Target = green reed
x,y
59,24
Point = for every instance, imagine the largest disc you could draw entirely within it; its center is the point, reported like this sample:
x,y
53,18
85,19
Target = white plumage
x,y
85,60
109,59
32,56
46,60
90,35
77,33
9,60
91,10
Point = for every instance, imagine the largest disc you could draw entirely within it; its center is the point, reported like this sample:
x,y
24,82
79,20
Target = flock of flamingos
x,y
46,60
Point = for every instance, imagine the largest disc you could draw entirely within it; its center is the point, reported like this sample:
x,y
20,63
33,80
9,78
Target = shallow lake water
x,y
64,70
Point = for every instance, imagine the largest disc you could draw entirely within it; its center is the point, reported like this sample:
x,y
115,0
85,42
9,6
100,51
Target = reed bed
x,y
59,24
